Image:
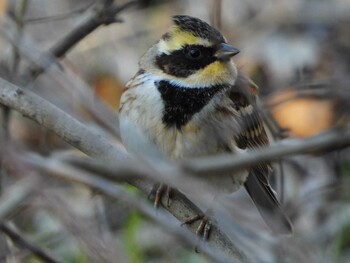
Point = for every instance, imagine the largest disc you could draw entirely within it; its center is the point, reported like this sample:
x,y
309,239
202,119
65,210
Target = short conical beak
x,y
226,51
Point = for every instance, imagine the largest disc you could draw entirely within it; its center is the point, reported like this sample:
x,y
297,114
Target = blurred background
x,y
297,52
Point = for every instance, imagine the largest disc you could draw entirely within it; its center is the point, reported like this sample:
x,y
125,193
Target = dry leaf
x,y
109,90
302,116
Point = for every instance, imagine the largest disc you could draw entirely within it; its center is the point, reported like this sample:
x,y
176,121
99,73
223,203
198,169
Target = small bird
x,y
189,100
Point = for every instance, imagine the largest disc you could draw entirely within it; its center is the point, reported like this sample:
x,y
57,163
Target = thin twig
x,y
4,134
60,16
19,239
93,245
16,194
104,15
18,15
215,14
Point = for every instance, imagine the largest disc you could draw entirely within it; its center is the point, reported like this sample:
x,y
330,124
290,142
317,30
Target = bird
x,y
188,99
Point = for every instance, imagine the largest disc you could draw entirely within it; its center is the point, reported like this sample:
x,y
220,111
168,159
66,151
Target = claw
x,y
158,192
203,230
206,231
168,195
193,219
158,196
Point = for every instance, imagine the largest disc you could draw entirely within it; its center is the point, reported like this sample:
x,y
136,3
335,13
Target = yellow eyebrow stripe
x,y
179,38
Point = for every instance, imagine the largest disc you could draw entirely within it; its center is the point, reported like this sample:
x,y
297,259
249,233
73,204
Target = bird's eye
x,y
194,53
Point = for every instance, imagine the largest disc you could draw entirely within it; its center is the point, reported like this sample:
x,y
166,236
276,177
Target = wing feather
x,y
252,135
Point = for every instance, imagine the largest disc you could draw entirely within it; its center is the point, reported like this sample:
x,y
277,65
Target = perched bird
x,y
189,100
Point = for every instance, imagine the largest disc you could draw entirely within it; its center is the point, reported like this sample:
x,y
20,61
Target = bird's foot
x,y
157,193
203,229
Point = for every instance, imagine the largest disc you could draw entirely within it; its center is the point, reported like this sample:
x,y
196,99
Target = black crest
x,y
198,28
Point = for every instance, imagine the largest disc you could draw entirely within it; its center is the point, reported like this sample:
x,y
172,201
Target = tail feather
x,y
266,201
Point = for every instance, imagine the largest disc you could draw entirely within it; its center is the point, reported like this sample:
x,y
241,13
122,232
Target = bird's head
x,y
193,54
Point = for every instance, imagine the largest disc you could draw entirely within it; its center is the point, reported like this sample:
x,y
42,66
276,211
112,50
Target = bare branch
x,y
88,101
24,242
106,187
333,139
95,145
51,117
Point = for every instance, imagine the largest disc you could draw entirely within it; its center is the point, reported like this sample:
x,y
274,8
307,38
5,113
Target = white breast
x,y
139,117
144,134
